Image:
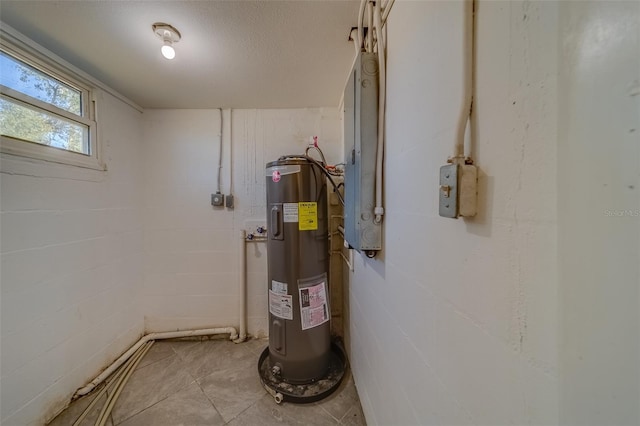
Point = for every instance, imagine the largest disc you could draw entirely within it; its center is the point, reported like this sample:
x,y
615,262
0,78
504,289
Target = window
x,y
46,112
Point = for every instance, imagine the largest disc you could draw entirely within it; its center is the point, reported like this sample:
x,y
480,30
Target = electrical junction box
x,y
217,199
458,190
228,201
468,194
360,144
449,191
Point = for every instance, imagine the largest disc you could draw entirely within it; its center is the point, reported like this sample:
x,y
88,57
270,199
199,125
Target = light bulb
x,y
168,51
169,35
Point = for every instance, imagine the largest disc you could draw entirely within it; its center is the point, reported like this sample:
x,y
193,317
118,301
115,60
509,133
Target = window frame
x,y
88,106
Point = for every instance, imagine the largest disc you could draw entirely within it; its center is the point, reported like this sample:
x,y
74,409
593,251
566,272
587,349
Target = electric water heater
x,y
298,262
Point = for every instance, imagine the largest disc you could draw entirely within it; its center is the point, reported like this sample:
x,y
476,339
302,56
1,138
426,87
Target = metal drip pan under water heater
x,y
301,364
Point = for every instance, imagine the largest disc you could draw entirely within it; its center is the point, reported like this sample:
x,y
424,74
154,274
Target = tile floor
x,y
211,382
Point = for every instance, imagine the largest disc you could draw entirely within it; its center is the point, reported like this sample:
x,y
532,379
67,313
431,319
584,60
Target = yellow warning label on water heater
x,y
307,216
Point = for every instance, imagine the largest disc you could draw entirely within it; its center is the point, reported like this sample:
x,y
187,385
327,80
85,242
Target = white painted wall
x,y
599,212
71,269
188,245
456,322
191,248
528,313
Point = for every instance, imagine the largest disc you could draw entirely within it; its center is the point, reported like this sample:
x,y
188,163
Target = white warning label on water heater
x,y
280,305
314,309
290,212
278,287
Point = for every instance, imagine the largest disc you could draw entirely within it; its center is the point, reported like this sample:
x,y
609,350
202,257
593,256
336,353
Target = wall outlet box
x,y
468,191
228,201
217,199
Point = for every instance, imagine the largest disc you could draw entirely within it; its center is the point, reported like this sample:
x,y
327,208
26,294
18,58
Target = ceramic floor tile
x,y
162,391
354,417
73,412
188,406
256,346
340,402
266,412
182,345
211,356
149,385
263,414
159,351
233,389
302,414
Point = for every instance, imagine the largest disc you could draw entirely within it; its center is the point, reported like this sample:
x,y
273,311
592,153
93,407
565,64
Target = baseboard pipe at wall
x,y
233,335
117,376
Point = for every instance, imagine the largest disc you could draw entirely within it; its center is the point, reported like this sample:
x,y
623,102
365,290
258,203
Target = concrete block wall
x,y
91,260
455,322
188,244
507,318
191,248
71,269
527,313
599,213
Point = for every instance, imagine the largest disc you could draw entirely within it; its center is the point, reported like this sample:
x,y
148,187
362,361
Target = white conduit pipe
x,y
354,37
104,390
122,381
467,86
242,269
220,152
229,137
153,336
370,27
385,12
379,210
360,37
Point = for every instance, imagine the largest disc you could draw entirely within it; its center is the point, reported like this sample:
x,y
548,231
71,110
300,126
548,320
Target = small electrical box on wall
x,y
449,191
360,144
217,199
458,190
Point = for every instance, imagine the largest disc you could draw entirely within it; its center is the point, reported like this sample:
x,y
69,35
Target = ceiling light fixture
x,y
169,35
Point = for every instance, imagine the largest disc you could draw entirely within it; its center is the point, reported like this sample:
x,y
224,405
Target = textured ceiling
x,y
235,54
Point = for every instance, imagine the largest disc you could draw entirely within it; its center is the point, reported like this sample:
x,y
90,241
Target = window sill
x,y
31,150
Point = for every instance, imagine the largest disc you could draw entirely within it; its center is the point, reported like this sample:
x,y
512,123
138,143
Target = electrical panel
x,y
360,143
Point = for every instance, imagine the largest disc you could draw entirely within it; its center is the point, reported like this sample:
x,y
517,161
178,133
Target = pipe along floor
x,y
210,382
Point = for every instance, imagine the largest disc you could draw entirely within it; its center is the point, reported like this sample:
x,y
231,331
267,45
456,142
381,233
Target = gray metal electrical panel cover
x,y
360,143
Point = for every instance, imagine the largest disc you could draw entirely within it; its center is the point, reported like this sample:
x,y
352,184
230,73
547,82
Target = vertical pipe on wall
x,y
370,27
220,134
467,86
360,38
386,9
379,209
242,280
229,135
